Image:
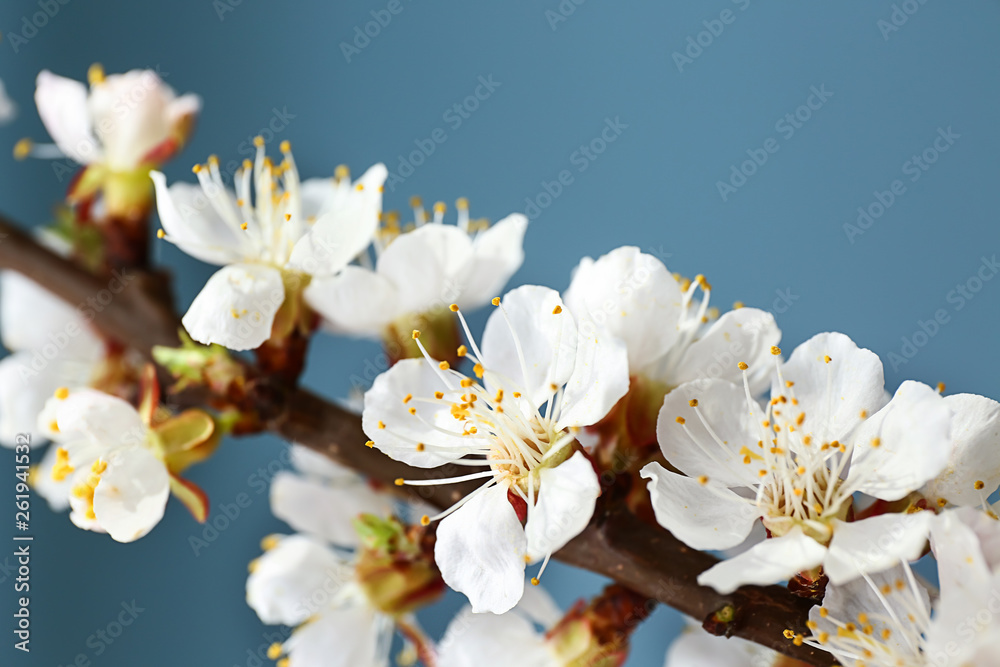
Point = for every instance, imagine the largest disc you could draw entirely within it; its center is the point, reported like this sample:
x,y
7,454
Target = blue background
x,y
777,242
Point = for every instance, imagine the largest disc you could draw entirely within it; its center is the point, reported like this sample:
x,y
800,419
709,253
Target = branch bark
x,y
616,544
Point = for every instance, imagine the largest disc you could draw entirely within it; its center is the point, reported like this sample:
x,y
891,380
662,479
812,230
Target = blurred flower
x,y
123,464
543,375
348,583
123,126
417,274
797,464
270,247
52,345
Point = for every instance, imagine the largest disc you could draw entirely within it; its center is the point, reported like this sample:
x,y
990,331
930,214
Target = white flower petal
x,y
356,301
345,229
702,516
875,544
427,266
62,105
975,452
486,640
291,579
103,419
345,637
903,445
402,431
480,550
745,334
55,493
538,606
599,379
326,511
773,560
690,446
312,463
236,307
33,318
832,395
547,341
193,224
132,495
634,296
497,253
566,498
847,601
27,382
129,113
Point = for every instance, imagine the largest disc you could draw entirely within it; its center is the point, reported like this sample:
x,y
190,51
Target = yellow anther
x,y
412,411
288,216
801,470
269,542
534,581
99,467
213,160
742,366
416,334
359,187
440,207
941,502
812,625
342,172
274,651
381,424
465,383
160,233
979,485
62,393
369,444
258,141
940,387
22,148
823,612
801,418
407,398
95,74
788,633
421,446
799,640
243,226
462,204
703,480
284,662
737,305
693,402
444,365
478,370
416,202
285,146
425,520
247,164
462,351
439,395
823,637
62,468
557,310
400,481
517,394
196,169
775,350
54,426
453,307
496,301
876,442
864,414
680,420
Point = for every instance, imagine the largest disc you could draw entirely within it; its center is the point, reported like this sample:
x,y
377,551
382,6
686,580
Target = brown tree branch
x,y
616,544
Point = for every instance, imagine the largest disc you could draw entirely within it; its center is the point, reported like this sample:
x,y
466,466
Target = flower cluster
x,y
627,392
